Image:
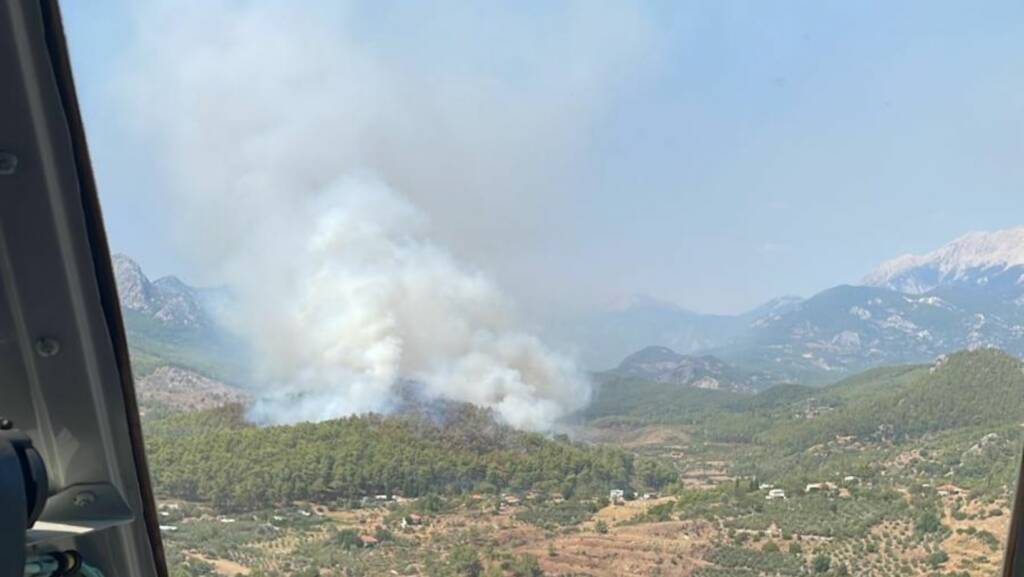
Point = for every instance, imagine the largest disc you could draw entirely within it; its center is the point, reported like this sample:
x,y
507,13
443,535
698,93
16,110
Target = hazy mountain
x,y
663,365
968,294
848,328
606,335
170,323
167,301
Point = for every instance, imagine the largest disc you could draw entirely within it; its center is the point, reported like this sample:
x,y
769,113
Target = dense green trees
x,y
215,456
968,389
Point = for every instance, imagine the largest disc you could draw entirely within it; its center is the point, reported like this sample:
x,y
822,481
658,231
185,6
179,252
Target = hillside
x,y
216,457
966,408
965,389
169,389
663,365
914,466
982,388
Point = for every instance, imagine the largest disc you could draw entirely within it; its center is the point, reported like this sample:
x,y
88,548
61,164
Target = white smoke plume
x,y
359,300
281,138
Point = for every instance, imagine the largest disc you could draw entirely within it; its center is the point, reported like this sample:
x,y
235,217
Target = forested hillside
x,y
959,416
216,457
967,389
984,387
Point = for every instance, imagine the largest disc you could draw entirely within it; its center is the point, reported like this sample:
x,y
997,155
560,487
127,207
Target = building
x,y
816,487
616,496
950,490
775,494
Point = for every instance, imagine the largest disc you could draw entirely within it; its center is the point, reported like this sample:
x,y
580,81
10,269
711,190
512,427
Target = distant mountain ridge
x,y
171,323
978,258
607,335
166,300
663,365
968,294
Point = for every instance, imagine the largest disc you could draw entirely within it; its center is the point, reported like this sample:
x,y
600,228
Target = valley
x,y
872,431
869,487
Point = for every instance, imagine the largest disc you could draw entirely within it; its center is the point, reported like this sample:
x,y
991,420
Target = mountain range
x,y
968,294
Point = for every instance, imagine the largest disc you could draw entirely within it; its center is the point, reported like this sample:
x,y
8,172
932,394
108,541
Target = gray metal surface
x,y
61,379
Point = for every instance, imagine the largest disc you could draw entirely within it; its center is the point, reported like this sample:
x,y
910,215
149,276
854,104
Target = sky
x,y
713,154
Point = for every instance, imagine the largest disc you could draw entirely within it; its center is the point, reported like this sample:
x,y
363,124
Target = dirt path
x,y
221,566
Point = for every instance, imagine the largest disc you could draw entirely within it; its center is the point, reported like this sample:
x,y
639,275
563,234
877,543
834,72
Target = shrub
x,y
465,562
928,522
822,563
937,558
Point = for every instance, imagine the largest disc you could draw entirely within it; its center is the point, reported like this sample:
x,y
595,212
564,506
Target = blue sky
x,y
715,154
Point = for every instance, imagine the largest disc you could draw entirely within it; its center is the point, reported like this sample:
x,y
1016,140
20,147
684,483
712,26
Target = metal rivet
x,y
6,424
47,347
84,498
8,163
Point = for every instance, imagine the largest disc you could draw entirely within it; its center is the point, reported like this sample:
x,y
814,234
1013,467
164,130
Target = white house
x,y
616,496
812,487
775,494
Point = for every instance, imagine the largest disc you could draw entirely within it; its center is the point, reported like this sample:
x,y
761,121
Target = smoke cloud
x,y
288,146
359,300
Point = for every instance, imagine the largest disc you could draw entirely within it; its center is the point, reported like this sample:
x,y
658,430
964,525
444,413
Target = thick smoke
x,y
282,139
359,300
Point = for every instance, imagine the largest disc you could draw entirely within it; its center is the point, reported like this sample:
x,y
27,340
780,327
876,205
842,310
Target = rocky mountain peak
x,y
973,257
167,300
135,290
